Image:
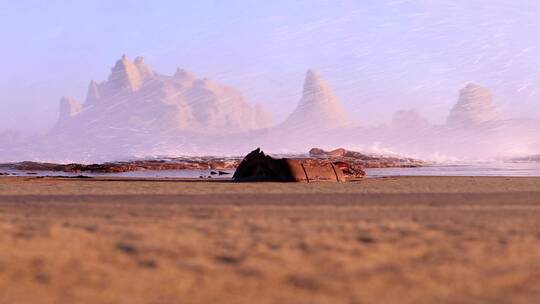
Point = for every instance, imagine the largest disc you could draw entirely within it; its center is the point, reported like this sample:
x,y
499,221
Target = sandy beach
x,y
383,240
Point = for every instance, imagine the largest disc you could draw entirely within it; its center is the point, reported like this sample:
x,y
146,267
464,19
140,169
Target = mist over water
x,y
443,82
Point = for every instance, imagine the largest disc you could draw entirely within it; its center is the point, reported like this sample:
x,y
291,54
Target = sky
x,y
379,56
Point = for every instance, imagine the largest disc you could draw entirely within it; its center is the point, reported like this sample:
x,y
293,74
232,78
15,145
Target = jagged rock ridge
x,y
136,98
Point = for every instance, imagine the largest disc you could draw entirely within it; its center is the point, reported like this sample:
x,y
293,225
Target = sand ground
x,y
389,240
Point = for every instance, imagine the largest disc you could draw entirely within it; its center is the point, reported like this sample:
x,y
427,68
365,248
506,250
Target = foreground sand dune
x,y
390,240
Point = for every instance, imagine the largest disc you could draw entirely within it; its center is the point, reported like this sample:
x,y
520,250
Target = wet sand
x,y
387,240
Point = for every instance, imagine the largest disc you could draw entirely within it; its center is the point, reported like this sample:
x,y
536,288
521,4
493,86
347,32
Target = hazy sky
x,y
379,56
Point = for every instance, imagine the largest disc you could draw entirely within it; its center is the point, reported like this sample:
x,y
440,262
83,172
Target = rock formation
x,y
69,108
257,166
363,160
474,106
336,165
92,97
318,108
213,163
136,99
125,75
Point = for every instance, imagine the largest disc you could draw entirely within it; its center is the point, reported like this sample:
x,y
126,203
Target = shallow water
x,y
463,169
190,173
454,169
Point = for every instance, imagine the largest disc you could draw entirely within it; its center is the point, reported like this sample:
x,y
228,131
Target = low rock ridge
x,y
366,160
129,166
351,163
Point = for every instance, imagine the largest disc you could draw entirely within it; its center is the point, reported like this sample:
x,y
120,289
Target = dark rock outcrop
x,y
257,166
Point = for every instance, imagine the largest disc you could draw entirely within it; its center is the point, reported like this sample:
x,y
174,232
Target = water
x,y
188,173
463,169
454,169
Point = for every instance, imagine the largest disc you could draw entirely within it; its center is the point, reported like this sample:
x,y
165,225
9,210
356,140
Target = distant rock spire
x,y
318,108
125,75
314,84
474,106
93,95
69,107
144,71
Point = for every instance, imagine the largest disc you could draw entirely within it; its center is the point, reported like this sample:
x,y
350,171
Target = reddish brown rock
x,y
357,160
119,167
350,170
257,166
349,163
